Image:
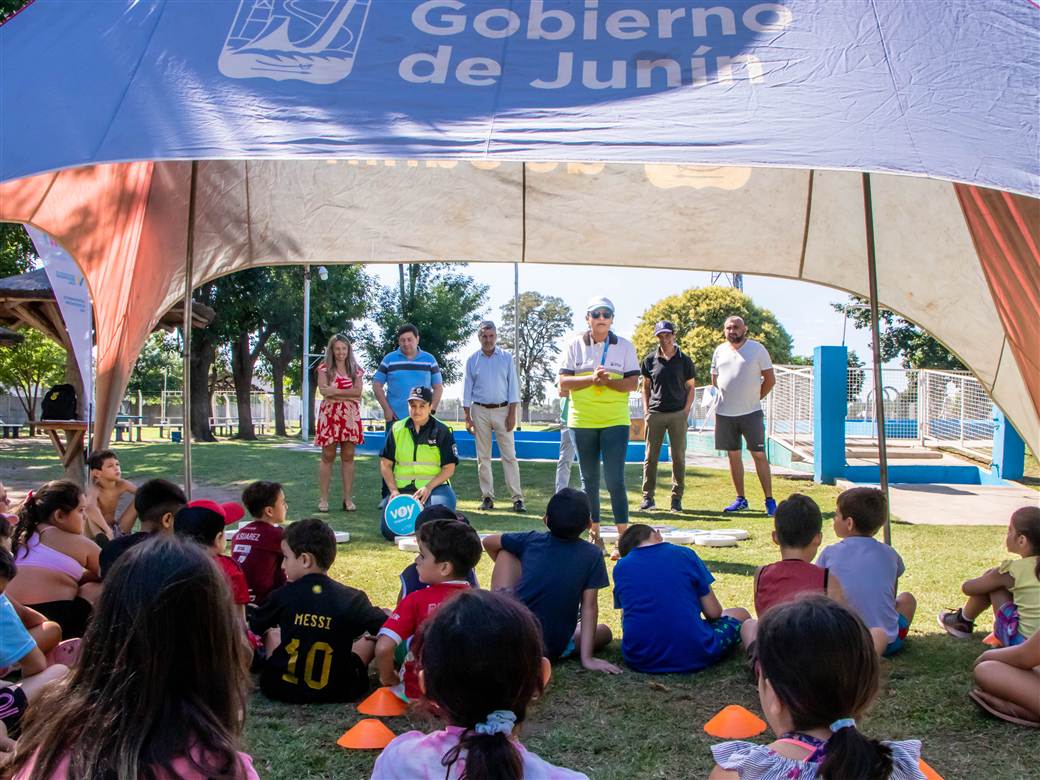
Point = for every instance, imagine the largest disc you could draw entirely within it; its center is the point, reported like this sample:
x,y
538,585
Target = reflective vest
x,y
418,463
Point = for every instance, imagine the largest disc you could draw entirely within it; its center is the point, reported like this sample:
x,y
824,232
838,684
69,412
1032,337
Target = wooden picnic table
x,y
72,448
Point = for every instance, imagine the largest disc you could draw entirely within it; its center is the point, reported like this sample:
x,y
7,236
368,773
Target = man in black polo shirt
x,y
668,385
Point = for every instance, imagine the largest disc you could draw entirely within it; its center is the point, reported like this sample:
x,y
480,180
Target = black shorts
x,y
12,706
72,616
348,681
752,427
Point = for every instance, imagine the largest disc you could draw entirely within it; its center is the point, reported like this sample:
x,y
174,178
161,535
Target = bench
x,y
10,430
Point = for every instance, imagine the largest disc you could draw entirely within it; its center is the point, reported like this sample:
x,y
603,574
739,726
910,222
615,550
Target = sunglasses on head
x,y
601,314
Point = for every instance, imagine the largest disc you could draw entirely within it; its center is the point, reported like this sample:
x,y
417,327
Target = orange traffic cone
x,y
367,734
735,722
992,641
383,703
927,771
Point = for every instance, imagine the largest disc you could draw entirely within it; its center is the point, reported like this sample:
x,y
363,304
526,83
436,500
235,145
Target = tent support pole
x,y
189,276
875,336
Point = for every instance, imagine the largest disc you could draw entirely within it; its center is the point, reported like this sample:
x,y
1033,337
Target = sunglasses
x,y
601,314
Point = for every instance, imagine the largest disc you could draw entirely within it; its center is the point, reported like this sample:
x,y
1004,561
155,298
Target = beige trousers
x,y
657,424
485,422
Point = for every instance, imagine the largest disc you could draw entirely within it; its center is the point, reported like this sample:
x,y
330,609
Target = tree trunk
x,y
242,372
525,413
311,395
278,377
203,353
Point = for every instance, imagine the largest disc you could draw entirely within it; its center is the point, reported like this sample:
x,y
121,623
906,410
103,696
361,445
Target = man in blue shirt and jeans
x,y
490,397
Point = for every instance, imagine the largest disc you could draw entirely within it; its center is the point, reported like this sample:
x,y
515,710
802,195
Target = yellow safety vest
x,y
423,464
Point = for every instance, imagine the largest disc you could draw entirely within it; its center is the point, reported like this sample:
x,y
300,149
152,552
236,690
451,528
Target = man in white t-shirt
x,y
743,373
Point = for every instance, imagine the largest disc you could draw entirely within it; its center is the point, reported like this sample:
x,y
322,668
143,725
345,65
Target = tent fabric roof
x,y
714,135
941,89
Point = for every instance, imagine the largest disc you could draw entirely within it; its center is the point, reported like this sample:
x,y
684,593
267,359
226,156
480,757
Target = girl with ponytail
x,y
481,656
58,573
817,674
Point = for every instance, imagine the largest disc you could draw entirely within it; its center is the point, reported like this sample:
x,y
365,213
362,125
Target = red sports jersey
x,y
407,620
257,548
235,578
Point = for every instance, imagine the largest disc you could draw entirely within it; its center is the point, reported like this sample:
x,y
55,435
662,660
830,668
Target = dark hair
x,y
454,542
259,495
820,661
634,535
568,513
407,328
482,652
1027,522
797,521
7,567
162,676
313,536
39,505
198,524
97,459
438,512
865,506
158,497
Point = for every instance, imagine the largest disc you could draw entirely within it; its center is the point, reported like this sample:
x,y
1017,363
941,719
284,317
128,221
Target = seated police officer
x,y
419,456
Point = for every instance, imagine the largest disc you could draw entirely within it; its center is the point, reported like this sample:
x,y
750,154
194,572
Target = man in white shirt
x,y
490,396
743,374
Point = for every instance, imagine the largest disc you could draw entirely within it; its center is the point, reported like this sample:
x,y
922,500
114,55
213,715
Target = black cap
x,y
421,393
664,326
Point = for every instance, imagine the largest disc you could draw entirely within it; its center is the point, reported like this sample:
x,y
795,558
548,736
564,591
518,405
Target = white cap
x,y
599,303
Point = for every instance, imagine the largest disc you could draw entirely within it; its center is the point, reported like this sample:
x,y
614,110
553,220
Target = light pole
x,y
305,362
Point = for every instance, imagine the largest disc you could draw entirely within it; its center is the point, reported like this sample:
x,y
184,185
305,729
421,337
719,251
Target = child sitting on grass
x,y
156,502
869,570
555,574
18,648
797,530
663,590
1012,589
203,521
817,673
410,581
1007,682
106,487
319,634
448,551
160,690
482,666
257,547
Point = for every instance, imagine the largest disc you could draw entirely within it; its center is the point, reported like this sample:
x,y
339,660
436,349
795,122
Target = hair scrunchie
x,y
30,497
498,722
843,723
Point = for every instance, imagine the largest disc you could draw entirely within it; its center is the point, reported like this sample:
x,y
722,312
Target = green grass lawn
x,y
633,726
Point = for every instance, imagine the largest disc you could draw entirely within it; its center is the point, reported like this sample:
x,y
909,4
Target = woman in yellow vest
x,y
599,371
419,456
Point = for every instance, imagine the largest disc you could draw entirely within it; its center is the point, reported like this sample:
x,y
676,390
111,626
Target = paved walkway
x,y
957,504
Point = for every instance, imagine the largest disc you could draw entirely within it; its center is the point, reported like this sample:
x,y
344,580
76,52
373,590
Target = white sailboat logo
x,y
307,40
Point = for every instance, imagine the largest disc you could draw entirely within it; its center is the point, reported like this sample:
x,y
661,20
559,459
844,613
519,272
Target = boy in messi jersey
x,y
319,634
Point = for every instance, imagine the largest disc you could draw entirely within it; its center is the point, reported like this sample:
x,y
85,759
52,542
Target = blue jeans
x,y
611,444
442,494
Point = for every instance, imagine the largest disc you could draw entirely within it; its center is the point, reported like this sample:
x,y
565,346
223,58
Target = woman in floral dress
x,y
339,418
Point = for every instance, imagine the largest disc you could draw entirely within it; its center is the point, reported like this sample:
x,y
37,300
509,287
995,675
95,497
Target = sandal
x,y
323,505
349,506
1003,709
66,652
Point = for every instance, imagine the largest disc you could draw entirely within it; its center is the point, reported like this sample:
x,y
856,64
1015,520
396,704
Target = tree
x,y
699,314
857,376
159,360
544,319
336,304
34,364
444,305
17,253
9,7
900,338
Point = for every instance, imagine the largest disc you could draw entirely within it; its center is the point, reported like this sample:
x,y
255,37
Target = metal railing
x,y
954,410
789,407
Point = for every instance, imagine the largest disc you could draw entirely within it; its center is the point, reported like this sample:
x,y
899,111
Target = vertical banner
x,y
73,297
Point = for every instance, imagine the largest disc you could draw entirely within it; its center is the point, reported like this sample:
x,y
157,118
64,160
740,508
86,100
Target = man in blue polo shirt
x,y
400,371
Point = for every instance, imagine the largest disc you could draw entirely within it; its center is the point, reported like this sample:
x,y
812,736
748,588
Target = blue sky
x,y
803,308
